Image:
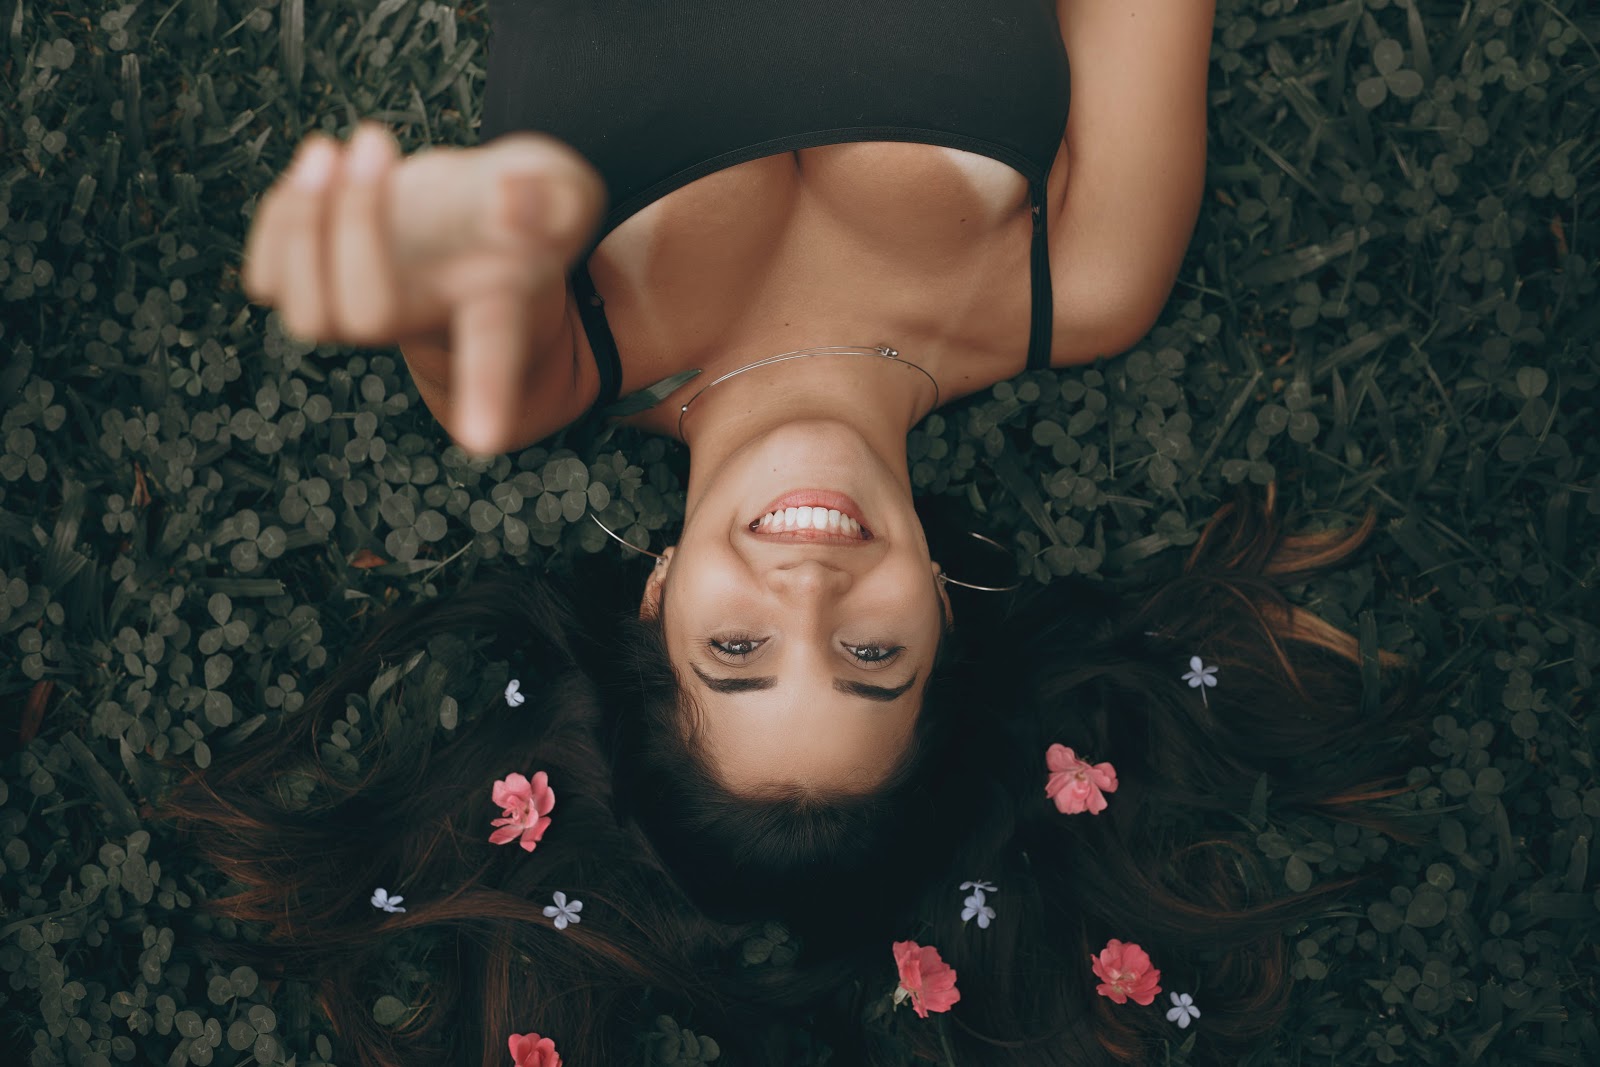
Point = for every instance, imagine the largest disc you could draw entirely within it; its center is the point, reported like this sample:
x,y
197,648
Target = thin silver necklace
x,y
883,351
877,351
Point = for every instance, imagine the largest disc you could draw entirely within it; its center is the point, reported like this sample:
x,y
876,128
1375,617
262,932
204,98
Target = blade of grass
x,y
1367,343
1302,261
1321,19
116,802
1017,483
453,69
1421,59
243,586
1283,164
651,395
1371,697
292,41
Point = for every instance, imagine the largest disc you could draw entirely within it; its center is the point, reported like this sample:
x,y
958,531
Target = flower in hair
x,y
1076,785
526,809
531,1050
513,697
563,912
1200,676
1183,1011
382,899
925,979
1125,972
975,906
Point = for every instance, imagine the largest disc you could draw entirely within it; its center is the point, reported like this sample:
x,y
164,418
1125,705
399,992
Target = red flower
x,y
1075,784
1125,972
926,979
526,809
531,1050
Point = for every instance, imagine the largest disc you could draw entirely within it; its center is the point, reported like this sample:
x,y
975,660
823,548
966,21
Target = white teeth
x,y
810,518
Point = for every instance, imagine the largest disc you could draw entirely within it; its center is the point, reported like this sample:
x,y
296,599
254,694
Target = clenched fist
x,y
355,244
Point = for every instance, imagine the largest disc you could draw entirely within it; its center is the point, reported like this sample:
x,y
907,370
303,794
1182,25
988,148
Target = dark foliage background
x,y
1390,300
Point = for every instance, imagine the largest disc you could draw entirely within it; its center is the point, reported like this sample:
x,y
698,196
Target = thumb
x,y
488,341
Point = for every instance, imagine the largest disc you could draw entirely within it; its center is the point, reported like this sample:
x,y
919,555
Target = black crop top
x,y
656,94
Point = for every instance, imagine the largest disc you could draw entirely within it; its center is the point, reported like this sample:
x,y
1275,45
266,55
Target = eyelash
x,y
715,646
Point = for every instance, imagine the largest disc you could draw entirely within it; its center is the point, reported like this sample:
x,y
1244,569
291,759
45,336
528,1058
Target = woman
x,y
797,723
902,191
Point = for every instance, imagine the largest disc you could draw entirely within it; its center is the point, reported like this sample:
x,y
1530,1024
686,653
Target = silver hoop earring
x,y
943,578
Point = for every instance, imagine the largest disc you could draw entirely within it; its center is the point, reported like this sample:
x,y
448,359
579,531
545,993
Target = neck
x,y
879,398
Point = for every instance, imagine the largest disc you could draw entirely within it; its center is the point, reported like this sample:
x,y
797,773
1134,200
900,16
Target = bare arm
x,y
1136,151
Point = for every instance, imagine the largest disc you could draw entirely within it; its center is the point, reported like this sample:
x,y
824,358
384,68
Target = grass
x,y
1390,299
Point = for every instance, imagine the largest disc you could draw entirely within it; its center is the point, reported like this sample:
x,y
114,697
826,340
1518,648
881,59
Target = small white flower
x,y
563,912
512,696
975,906
382,899
985,886
1200,675
1183,1011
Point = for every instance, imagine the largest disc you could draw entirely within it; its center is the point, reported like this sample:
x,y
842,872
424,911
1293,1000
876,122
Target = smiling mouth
x,y
812,516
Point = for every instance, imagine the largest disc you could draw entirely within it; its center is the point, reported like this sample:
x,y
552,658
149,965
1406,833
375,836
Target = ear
x,y
650,602
944,594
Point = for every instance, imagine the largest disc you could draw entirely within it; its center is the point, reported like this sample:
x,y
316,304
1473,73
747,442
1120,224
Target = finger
x,y
303,280
263,250
487,335
364,298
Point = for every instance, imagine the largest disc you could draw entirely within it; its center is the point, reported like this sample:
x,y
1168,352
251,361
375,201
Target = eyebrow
x,y
879,693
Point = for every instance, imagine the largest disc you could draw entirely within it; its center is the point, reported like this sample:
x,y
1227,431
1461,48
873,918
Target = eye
x,y
733,647
737,647
874,655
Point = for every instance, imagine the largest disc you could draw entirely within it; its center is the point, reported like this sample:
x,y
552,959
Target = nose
x,y
808,578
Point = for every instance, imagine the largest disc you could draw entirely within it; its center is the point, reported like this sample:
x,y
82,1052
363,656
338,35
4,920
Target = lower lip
x,y
818,498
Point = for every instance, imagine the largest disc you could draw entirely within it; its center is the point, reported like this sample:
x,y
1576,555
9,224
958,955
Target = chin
x,y
825,438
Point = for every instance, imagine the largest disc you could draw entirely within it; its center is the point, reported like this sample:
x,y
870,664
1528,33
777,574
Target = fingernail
x,y
315,165
367,154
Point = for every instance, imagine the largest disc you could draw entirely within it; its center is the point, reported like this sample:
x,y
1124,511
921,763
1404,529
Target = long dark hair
x,y
676,873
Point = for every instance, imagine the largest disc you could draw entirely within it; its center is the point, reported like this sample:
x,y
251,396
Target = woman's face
x,y
806,649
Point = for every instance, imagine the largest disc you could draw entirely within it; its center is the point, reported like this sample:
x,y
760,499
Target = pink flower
x,y
527,808
531,1050
1075,785
929,981
1125,971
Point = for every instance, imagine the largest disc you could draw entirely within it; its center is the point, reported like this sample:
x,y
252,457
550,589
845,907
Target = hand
x,y
356,245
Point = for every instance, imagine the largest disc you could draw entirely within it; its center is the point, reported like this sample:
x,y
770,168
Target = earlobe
x,y
650,602
944,594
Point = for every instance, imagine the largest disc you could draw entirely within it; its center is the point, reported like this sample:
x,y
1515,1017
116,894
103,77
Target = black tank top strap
x,y
1043,324
591,308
